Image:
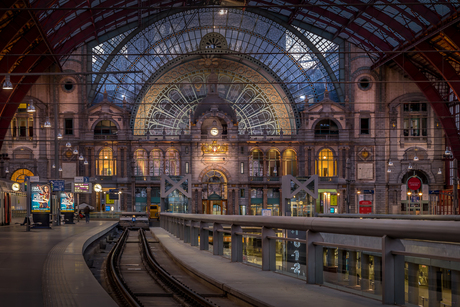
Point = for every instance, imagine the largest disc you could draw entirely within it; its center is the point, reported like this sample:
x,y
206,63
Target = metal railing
x,y
385,269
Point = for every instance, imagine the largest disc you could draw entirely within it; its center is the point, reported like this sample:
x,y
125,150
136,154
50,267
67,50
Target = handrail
x,y
394,216
398,229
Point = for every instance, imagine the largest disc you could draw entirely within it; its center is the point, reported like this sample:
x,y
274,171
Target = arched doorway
x,y
415,193
214,193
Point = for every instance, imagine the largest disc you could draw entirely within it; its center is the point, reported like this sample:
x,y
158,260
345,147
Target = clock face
x,y
214,131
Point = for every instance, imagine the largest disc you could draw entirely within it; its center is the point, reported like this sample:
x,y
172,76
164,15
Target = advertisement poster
x,y
67,202
41,195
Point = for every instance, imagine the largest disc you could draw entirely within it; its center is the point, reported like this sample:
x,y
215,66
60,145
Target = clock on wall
x,y
214,131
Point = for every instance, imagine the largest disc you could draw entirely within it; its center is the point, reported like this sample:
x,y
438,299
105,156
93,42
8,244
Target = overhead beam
x,y
443,67
436,101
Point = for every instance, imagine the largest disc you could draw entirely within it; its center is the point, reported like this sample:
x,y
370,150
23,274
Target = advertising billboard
x,y
67,202
40,197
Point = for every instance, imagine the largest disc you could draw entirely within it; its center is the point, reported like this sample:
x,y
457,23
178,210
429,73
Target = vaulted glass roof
x,y
302,61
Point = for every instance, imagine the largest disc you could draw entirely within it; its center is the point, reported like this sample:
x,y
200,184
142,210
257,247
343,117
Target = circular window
x,y
364,83
68,86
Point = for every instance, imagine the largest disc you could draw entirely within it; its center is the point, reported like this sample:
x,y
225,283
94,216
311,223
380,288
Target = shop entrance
x,y
215,205
214,193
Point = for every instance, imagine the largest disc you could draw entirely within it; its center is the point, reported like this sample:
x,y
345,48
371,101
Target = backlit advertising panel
x,y
82,188
41,194
67,202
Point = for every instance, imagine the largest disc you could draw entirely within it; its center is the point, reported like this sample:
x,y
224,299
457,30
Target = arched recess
x,y
216,168
214,182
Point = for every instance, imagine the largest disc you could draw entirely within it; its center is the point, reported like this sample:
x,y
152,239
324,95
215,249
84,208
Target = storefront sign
x,y
365,203
414,183
40,198
67,202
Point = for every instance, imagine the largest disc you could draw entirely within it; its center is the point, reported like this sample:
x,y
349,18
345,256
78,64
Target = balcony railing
x,y
256,178
333,179
380,258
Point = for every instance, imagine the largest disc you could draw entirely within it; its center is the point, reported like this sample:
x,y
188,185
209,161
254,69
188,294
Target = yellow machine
x,y
154,212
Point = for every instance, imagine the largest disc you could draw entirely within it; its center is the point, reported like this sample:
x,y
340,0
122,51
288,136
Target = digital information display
x,y
67,202
40,196
82,187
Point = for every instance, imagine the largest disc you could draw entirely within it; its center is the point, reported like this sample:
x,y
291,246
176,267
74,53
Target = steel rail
x,y
115,280
188,294
441,231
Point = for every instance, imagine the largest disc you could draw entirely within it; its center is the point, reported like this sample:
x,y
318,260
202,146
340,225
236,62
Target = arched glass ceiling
x,y
304,70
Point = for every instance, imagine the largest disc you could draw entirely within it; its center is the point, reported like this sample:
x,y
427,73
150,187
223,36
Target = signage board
x,y
107,208
113,191
414,183
333,199
67,202
113,195
57,185
368,191
109,200
434,191
266,212
365,203
81,179
82,188
34,178
365,210
40,198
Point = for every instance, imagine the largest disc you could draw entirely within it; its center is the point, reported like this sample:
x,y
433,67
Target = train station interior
x,y
231,119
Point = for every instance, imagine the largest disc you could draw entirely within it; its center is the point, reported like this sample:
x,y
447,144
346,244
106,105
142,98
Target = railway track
x,y
137,279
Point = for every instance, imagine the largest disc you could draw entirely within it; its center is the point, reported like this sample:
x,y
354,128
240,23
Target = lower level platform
x,y
250,283
45,267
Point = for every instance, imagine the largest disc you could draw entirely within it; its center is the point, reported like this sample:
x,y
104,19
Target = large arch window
x,y
156,162
105,127
326,127
274,163
172,163
326,163
290,162
106,163
140,162
256,163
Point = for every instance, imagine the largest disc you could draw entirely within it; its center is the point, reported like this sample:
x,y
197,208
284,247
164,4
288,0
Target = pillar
x,y
264,198
231,195
434,286
412,275
236,207
365,283
149,197
352,274
200,201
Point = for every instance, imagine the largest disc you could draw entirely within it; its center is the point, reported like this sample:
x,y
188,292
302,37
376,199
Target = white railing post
x,y
392,272
204,236
268,249
237,244
194,233
314,267
187,231
217,239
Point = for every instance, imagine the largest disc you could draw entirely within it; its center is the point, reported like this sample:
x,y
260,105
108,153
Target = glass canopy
x,y
305,71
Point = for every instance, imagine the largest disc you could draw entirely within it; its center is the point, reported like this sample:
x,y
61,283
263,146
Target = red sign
x,y
414,183
365,210
365,203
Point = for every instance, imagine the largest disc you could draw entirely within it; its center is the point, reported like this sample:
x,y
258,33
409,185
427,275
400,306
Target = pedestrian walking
x,y
86,211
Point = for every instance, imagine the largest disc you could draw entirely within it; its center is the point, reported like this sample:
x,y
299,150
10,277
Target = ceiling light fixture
x,y
30,107
7,85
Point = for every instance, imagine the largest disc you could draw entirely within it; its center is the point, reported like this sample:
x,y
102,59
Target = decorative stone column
x,y
264,198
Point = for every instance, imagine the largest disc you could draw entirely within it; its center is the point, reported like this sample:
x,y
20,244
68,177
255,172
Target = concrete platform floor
x,y
257,286
24,257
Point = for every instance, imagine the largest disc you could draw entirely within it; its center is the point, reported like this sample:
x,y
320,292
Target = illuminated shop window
x,y
106,164
140,162
326,163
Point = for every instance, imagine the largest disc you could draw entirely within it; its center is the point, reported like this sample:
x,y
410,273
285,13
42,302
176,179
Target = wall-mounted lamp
x,y
59,136
30,107
410,166
439,171
68,145
390,163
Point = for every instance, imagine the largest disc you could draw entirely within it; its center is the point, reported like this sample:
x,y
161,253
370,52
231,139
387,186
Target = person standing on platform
x,y
86,211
